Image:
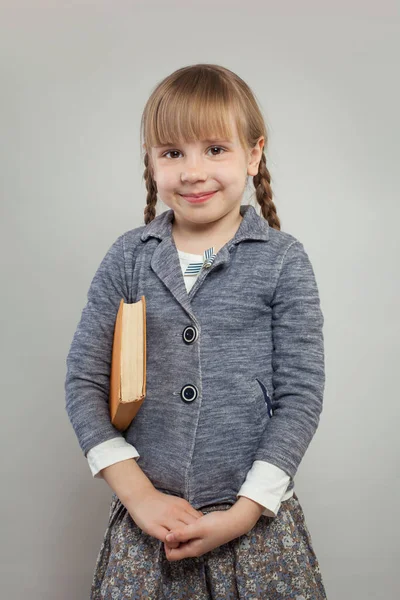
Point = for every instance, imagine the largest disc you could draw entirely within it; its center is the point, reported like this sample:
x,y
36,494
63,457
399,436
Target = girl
x,y
203,503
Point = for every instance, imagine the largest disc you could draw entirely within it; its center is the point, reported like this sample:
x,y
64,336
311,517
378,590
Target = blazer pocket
x,y
267,398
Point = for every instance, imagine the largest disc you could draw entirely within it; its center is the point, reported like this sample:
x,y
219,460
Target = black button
x,y
189,393
190,334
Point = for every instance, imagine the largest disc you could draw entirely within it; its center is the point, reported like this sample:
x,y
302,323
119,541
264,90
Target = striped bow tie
x,y
208,258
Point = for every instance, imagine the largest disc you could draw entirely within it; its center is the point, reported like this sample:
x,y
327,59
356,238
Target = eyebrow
x,y
209,141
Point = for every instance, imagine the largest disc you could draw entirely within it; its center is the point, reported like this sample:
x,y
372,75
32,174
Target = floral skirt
x,y
275,560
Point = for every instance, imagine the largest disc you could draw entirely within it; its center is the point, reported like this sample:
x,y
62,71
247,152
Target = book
x,y
128,363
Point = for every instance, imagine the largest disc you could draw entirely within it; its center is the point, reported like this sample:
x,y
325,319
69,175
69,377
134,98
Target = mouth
x,y
196,198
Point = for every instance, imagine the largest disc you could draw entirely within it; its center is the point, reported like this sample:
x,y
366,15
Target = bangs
x,y
192,110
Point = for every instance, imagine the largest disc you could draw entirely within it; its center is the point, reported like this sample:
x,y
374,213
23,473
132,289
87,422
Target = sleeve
x,y
267,485
87,381
298,363
108,453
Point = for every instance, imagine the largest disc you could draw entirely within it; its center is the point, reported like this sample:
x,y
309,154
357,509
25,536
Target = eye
x,y
217,148
169,152
178,151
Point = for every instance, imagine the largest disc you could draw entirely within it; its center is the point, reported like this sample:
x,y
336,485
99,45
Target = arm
x,y
87,381
128,481
298,363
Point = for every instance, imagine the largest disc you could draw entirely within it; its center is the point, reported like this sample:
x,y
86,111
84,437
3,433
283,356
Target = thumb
x,y
184,534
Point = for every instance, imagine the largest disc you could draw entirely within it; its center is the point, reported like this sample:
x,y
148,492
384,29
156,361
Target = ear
x,y
255,157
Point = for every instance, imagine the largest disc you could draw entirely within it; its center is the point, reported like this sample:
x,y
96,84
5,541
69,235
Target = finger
x,y
191,549
186,533
188,517
160,532
171,543
168,551
193,511
184,519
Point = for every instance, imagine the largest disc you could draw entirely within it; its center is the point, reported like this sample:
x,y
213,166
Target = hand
x,y
213,530
157,513
209,532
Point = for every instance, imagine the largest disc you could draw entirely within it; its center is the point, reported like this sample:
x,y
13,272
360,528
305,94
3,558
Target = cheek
x,y
166,180
232,178
232,172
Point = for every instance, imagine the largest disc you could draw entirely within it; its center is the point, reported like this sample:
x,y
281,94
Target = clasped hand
x,y
194,533
206,533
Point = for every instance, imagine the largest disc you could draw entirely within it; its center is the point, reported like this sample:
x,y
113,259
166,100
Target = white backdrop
x,y
74,80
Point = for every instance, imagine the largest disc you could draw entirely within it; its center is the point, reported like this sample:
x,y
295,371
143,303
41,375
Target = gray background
x,y
75,78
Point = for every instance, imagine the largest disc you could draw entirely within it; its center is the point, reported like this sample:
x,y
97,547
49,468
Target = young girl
x,y
203,501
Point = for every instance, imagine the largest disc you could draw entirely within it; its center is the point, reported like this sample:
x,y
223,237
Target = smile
x,y
198,199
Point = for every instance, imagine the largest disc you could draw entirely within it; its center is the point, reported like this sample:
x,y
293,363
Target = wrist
x,y
246,512
128,481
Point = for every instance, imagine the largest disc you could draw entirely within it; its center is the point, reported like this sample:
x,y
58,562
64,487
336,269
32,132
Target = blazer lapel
x,y
165,264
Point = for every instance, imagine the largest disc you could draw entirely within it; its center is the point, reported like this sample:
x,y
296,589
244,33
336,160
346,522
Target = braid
x,y
151,186
262,183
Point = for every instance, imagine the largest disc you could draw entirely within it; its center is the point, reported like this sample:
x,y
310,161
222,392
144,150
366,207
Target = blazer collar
x,y
252,226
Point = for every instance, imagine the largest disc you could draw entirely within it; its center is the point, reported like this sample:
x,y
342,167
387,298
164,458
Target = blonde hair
x,y
196,102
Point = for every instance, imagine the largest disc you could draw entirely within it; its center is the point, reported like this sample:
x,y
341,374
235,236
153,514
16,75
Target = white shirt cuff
x,y
266,484
109,452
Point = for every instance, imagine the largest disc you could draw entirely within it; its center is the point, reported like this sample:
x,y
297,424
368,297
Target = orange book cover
x,y
128,363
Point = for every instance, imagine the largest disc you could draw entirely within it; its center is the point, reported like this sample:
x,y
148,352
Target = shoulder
x,y
126,242
289,252
281,239
132,237
280,242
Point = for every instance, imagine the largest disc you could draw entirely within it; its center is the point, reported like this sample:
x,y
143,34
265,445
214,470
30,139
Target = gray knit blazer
x,y
235,367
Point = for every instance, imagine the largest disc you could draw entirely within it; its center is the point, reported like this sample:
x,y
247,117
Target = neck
x,y
194,238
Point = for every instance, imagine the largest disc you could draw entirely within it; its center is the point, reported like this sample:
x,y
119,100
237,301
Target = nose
x,y
193,171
